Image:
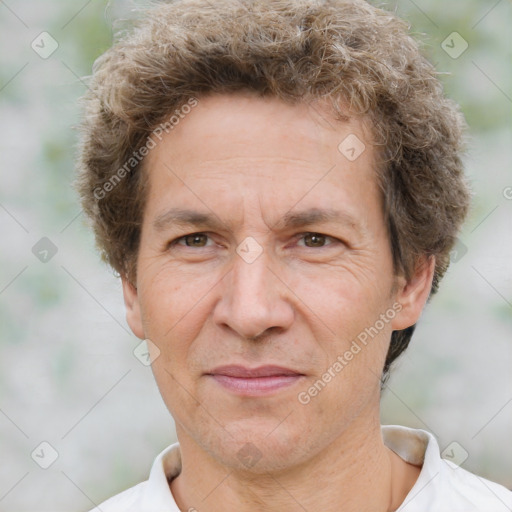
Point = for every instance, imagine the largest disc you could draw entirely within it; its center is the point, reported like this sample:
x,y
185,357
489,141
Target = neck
x,y
356,473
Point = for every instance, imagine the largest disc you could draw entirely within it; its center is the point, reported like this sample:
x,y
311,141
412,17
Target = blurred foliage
x,y
431,22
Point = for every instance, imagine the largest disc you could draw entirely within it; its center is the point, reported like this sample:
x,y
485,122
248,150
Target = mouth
x,y
254,381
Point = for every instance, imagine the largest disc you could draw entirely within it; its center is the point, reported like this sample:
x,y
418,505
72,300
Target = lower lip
x,y
256,386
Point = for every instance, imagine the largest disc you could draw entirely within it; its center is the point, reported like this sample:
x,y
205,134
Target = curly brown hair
x,y
348,53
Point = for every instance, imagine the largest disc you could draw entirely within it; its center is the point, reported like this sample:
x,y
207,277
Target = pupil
x,y
196,240
316,239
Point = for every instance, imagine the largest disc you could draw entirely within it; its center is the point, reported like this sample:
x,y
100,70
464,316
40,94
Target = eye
x,y
314,240
311,240
192,240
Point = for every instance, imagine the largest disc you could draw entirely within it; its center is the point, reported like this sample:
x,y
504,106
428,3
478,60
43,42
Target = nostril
x,y
266,332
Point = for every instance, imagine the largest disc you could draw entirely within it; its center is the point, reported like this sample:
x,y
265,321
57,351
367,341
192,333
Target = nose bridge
x,y
252,300
251,279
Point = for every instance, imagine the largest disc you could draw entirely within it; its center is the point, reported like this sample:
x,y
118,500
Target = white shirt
x,y
442,486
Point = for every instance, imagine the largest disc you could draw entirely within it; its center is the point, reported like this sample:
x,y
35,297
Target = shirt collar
x,y
420,448
415,446
157,494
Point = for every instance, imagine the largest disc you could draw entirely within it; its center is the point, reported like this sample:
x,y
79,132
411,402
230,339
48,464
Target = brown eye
x,y
192,240
196,240
314,240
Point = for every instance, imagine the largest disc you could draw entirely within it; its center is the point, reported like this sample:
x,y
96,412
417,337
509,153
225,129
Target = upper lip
x,y
260,371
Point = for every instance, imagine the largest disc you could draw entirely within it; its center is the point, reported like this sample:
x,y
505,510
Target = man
x,y
279,185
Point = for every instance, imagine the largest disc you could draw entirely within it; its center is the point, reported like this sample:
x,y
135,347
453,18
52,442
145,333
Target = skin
x,y
248,161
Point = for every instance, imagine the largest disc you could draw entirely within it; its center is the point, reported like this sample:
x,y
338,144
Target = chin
x,y
262,450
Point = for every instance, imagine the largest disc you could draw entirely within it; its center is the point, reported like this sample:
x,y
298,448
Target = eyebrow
x,y
184,218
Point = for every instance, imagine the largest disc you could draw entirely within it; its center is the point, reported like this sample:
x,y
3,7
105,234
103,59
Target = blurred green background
x,y
68,376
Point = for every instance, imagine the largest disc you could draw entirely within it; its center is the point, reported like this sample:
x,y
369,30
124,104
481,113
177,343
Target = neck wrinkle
x,y
355,472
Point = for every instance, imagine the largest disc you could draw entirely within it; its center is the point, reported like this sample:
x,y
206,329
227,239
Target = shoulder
x,y
442,485
126,501
153,495
466,491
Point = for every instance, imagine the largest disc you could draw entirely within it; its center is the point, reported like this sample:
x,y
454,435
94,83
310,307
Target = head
x,y
257,126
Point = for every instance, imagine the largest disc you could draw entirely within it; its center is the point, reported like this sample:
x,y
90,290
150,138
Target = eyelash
x,y
298,237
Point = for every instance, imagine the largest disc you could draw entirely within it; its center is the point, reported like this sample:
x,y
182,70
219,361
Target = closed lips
x,y
242,372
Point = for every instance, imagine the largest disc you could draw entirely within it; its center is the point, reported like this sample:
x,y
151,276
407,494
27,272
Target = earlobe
x,y
131,302
413,294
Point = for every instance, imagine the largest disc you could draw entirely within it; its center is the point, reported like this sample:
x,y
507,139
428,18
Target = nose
x,y
254,299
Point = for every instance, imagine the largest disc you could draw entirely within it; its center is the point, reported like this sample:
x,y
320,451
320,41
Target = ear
x,y
131,302
413,294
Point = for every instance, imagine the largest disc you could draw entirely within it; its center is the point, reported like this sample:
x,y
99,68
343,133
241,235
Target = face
x,y
264,256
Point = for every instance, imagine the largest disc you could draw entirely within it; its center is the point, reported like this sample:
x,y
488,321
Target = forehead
x,y
252,123
247,148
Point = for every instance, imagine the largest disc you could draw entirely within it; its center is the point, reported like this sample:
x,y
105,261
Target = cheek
x,y
173,312
343,300
170,300
354,339
172,315
177,392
